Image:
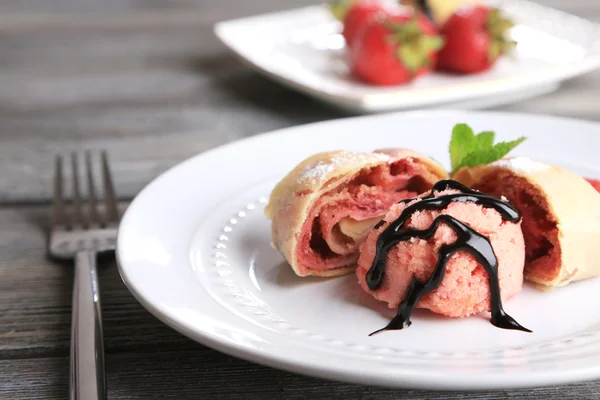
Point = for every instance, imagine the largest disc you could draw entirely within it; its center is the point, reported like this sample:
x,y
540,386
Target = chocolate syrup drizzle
x,y
468,240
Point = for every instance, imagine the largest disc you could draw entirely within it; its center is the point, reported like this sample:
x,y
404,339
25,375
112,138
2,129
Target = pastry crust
x,y
570,203
292,199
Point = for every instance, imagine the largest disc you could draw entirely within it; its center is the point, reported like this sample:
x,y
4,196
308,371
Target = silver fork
x,y
80,235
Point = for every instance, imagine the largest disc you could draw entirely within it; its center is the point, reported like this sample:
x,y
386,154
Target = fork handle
x,y
87,379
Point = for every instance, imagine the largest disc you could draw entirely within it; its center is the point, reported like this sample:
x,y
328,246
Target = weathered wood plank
x,y
132,137
35,308
125,14
35,297
201,373
124,7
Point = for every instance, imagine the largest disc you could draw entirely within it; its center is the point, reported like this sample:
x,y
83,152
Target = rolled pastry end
x,y
560,212
323,210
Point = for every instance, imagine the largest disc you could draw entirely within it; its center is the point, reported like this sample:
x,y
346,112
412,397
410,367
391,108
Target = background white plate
x,y
303,49
194,248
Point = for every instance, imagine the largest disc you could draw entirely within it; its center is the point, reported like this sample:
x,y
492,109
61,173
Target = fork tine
x,y
77,214
110,198
58,205
92,200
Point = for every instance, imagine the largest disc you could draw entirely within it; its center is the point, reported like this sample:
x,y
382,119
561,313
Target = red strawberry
x,y
358,15
475,37
395,49
595,183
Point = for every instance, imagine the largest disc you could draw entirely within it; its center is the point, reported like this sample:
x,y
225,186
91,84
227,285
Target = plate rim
x,y
315,370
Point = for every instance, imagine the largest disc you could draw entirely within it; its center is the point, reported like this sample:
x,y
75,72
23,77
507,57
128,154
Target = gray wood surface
x,y
147,80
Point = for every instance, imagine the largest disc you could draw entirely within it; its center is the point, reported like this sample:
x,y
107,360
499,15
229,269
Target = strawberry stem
x,y
498,27
414,46
339,8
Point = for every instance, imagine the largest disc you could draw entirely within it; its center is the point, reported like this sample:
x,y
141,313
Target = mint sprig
x,y
468,149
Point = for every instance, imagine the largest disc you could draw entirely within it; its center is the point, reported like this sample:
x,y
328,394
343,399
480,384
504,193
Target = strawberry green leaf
x,y
339,8
411,57
498,27
462,143
495,50
414,47
429,44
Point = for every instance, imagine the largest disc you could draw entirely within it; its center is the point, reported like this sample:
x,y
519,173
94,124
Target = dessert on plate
x,y
418,239
324,208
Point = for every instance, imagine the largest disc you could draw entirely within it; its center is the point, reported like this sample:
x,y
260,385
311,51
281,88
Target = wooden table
x,y
148,81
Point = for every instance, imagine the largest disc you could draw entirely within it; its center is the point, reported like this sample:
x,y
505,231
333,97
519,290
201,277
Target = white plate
x,y
194,248
303,49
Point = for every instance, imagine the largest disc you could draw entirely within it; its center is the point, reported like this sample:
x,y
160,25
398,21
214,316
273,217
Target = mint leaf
x,y
485,140
462,143
469,150
503,148
492,154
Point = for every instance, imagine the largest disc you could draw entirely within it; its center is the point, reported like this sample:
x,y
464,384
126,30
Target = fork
x,y
81,234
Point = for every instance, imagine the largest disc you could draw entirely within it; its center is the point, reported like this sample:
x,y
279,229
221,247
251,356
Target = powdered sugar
x,y
522,165
319,171
316,173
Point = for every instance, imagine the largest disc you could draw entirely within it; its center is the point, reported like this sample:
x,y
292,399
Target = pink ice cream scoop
x,y
465,287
